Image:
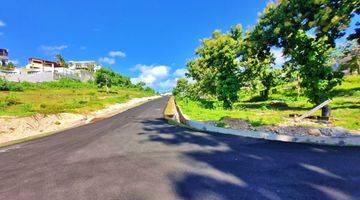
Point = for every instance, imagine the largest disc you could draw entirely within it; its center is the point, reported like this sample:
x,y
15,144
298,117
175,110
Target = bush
x,y
10,86
9,101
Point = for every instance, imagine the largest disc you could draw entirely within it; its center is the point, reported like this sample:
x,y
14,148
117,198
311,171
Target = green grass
x,y
63,96
345,106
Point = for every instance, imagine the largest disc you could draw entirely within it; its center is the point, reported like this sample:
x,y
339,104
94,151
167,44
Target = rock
x,y
237,123
326,131
276,103
335,132
314,132
339,132
210,123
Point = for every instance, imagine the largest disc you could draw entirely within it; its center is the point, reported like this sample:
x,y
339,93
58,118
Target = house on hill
x,y
39,65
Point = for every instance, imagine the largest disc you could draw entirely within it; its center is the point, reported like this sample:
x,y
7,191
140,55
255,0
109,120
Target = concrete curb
x,y
321,140
79,123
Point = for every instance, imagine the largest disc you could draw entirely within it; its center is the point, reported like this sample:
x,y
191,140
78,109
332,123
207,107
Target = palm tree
x,y
61,61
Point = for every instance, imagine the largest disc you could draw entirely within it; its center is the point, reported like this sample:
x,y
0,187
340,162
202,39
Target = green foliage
x,y
107,77
181,87
312,57
10,65
350,57
216,67
184,89
289,24
345,106
61,61
10,86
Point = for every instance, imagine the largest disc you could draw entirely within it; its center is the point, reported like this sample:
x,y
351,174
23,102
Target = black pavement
x,y
137,155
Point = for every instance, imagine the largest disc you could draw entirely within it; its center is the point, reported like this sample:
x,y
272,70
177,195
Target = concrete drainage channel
x,y
173,112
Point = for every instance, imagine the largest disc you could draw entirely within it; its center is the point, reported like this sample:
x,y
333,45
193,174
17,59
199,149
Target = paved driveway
x,y
137,155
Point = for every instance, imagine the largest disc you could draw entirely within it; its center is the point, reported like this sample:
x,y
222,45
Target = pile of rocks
x,y
240,124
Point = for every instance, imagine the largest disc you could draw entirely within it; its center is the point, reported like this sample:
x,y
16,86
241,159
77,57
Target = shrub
x,y
10,86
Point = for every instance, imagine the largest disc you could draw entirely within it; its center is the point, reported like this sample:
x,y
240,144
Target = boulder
x,y
314,132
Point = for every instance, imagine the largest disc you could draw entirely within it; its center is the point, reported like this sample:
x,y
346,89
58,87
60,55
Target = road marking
x,y
10,148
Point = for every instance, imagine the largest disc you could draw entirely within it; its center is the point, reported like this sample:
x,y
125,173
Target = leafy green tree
x,y
103,78
261,68
61,61
350,58
313,56
140,84
216,67
181,87
10,65
107,78
307,31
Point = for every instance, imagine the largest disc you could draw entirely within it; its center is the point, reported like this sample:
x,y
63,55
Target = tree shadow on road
x,y
258,169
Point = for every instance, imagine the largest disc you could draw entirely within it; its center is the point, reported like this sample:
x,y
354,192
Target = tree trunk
x,y
325,111
297,86
265,93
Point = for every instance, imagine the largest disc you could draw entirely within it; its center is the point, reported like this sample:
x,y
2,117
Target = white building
x,y
89,65
39,65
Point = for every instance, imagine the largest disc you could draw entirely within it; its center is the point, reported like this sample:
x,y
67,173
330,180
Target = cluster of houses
x,y
40,70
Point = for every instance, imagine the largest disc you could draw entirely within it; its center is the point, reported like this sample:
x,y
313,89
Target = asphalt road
x,y
137,155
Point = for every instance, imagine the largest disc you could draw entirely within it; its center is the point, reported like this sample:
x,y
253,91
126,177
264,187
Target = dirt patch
x,y
240,124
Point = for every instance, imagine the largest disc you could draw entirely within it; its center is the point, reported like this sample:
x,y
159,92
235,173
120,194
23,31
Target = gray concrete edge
x,y
353,140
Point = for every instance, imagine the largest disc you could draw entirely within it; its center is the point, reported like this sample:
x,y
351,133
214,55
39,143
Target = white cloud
x,y
107,60
83,48
279,56
180,72
158,77
169,83
118,54
2,23
151,75
110,59
53,49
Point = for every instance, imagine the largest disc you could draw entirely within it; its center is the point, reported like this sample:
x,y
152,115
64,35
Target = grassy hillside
x,y
62,96
345,106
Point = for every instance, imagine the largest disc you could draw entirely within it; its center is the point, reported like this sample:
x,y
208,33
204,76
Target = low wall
x,y
46,76
31,78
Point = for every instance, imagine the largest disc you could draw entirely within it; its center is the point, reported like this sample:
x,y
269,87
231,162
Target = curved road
x,y
137,155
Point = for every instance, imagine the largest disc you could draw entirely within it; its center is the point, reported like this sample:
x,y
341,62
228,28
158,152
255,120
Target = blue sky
x,y
147,40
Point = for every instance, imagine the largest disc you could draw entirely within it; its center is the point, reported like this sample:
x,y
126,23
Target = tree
x,y
256,67
216,67
102,78
306,30
181,86
350,58
313,56
61,61
10,65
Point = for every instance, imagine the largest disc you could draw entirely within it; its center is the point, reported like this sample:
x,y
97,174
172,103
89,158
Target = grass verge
x,y
63,96
345,106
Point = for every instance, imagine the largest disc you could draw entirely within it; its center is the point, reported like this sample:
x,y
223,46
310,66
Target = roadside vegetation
x,y
66,95
345,106
235,73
